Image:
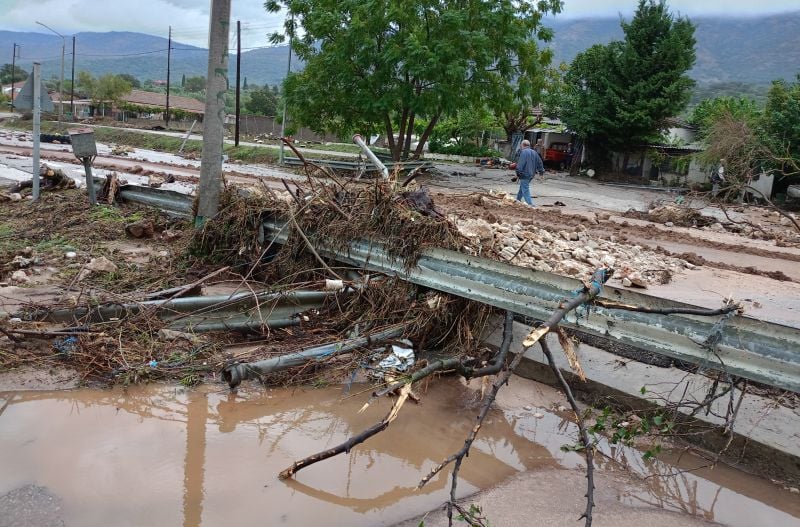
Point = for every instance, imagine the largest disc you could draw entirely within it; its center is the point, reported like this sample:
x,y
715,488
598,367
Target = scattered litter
x,y
399,360
66,346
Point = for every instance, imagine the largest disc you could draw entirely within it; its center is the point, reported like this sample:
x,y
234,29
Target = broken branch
x,y
610,304
587,448
353,441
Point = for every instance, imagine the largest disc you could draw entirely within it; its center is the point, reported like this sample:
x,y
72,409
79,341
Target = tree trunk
x,y
409,131
426,134
397,154
389,134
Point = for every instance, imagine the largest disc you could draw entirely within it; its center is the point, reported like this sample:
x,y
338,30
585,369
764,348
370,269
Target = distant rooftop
x,y
146,98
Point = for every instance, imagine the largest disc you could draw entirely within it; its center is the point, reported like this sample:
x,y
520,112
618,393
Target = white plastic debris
x,y
334,285
400,358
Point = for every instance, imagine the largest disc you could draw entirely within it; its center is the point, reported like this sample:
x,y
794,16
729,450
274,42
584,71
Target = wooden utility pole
x,y
169,56
238,73
13,70
214,118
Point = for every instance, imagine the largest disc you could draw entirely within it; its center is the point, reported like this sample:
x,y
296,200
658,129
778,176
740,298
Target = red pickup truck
x,y
556,155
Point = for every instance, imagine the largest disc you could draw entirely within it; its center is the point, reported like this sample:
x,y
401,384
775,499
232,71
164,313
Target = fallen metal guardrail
x,y
754,349
237,312
355,165
168,201
236,373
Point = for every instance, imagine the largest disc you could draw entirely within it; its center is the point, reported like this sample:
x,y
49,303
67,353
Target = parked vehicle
x,y
556,155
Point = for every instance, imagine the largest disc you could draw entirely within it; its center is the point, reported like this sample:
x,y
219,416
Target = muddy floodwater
x,y
156,455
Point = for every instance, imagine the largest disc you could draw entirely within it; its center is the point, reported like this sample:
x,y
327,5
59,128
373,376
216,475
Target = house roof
x,y
17,86
146,98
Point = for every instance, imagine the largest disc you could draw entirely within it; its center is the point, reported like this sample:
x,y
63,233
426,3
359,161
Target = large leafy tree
x,y
5,74
781,123
262,101
104,89
618,95
385,65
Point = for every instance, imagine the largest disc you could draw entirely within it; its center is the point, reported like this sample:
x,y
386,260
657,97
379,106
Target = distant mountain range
x,y
752,50
143,56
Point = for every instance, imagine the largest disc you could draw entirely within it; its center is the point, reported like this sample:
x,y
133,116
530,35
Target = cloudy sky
x,y
189,18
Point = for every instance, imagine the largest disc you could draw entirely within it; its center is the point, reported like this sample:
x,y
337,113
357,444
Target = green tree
x,y
262,102
183,81
383,65
617,96
133,81
244,85
709,111
102,90
195,84
781,124
5,74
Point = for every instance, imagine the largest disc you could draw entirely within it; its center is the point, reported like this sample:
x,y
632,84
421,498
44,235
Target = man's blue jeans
x,y
524,193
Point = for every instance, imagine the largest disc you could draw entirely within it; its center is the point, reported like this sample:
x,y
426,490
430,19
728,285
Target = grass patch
x,y
107,213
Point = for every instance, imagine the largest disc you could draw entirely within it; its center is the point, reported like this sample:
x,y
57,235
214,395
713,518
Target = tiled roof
x,y
146,98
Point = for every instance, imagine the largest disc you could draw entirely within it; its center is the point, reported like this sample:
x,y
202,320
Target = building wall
x,y
257,124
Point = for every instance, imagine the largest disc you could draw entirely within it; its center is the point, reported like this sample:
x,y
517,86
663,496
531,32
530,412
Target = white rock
x,y
627,282
70,255
20,277
608,260
580,254
101,265
15,196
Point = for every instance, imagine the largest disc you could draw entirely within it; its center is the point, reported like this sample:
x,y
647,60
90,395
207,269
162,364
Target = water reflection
x,y
231,447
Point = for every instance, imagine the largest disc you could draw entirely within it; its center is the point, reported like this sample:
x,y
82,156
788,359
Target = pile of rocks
x,y
571,253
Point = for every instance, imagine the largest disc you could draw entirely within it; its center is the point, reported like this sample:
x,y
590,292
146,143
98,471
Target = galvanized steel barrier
x,y
754,349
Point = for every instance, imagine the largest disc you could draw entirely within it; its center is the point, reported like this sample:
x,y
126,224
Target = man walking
x,y
529,164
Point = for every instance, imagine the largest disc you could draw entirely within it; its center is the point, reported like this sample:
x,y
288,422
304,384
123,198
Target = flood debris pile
x,y
58,255
129,305
363,304
571,253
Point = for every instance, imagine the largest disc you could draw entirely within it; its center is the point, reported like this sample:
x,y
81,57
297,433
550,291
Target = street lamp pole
x,y
61,82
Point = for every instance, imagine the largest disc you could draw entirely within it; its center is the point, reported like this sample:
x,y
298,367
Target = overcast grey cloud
x,y
591,8
189,18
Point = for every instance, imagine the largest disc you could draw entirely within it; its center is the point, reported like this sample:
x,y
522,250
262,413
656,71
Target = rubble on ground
x,y
572,253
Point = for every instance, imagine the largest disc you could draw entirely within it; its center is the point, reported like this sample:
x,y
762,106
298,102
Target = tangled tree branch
x,y
590,290
586,446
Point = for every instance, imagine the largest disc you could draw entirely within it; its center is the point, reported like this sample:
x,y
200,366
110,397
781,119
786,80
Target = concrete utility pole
x,y
61,82
238,73
288,71
37,123
214,118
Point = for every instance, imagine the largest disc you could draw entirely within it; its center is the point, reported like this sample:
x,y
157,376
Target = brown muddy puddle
x,y
156,455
